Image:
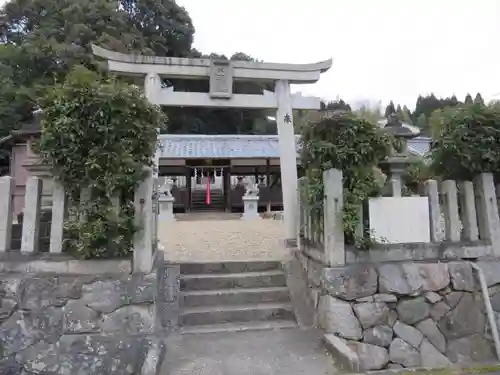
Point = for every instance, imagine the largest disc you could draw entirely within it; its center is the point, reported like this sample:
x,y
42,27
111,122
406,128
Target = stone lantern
x,y
33,165
395,165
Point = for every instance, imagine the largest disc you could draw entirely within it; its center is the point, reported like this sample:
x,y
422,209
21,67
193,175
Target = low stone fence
x,y
64,316
408,314
406,304
44,231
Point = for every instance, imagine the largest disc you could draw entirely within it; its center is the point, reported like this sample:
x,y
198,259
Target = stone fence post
x,y
469,213
301,211
7,210
451,215
31,215
143,211
58,213
432,192
333,219
487,210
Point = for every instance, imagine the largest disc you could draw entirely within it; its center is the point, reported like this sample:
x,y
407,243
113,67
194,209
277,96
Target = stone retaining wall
x,y
408,314
84,323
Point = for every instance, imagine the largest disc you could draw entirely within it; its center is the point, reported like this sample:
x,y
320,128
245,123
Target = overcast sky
x,y
382,49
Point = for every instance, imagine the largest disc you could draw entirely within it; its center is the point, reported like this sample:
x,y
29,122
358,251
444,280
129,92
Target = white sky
x,y
382,49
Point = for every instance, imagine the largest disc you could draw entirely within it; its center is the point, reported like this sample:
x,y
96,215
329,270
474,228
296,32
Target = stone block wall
x,y
408,314
82,323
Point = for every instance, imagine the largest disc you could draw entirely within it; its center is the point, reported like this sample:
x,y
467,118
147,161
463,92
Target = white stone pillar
x,y
333,225
31,215
143,207
57,222
288,155
7,187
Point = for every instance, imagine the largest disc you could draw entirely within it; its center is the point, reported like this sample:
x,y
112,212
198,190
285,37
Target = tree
x,y
468,142
335,105
390,109
435,122
353,145
478,99
99,135
44,39
422,122
399,112
468,99
371,114
406,115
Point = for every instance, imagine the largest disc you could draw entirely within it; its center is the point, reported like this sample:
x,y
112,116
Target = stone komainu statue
x,y
251,190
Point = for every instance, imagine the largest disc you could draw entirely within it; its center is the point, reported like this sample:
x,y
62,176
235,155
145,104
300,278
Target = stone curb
x,y
451,370
345,358
82,267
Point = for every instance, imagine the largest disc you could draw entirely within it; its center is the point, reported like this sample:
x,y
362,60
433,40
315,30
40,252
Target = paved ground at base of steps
x,y
278,352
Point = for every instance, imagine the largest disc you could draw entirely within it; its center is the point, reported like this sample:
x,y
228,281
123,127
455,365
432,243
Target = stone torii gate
x,y
221,74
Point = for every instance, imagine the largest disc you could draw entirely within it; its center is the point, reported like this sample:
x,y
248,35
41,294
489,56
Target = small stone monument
x,y
395,165
166,201
250,202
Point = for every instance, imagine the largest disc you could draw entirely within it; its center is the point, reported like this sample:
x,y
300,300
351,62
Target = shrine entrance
x,y
221,75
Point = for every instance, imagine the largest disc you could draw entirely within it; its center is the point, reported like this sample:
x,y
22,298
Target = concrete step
x,y
237,296
213,281
239,313
229,267
239,327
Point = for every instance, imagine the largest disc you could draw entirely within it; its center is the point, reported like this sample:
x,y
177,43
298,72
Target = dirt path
x,y
222,238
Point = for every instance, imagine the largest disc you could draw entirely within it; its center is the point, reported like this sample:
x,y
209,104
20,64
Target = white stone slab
x,y
399,220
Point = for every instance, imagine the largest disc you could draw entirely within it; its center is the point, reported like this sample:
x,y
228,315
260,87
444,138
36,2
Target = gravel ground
x,y
212,238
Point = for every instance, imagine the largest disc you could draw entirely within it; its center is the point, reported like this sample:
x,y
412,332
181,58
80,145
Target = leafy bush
x,y
98,135
467,142
353,145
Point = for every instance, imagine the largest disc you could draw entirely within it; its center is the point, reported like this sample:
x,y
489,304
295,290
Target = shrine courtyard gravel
x,y
221,237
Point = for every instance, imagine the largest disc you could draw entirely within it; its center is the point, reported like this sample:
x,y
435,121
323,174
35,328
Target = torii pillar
x,y
288,156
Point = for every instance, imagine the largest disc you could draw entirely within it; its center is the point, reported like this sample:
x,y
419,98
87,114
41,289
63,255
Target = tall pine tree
x,y
390,109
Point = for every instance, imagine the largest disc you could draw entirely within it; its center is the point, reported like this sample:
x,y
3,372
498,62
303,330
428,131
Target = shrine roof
x,y
192,146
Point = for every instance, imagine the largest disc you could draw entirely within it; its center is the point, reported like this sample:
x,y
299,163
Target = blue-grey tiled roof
x,y
240,146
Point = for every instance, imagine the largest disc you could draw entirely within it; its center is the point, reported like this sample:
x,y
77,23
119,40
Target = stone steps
x,y
211,281
228,267
198,201
238,313
234,296
239,327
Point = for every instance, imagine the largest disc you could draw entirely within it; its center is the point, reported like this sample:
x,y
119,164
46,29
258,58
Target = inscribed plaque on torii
x,y
221,79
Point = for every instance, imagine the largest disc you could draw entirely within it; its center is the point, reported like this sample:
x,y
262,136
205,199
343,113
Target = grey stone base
x,y
93,324
408,315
